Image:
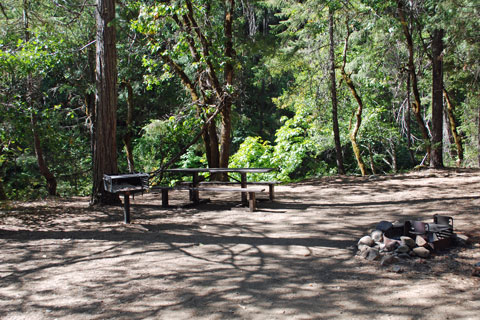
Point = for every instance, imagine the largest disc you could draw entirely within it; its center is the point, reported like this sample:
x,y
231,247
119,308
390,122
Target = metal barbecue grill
x,y
127,184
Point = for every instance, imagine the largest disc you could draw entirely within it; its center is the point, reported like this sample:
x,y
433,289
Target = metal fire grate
x,y
126,182
438,235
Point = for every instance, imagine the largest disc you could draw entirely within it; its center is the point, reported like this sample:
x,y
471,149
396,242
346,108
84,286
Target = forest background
x,y
309,87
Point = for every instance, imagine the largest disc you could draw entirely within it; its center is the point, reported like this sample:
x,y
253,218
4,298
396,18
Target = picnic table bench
x,y
251,191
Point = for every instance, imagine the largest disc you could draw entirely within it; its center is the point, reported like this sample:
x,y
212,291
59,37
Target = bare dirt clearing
x,y
292,259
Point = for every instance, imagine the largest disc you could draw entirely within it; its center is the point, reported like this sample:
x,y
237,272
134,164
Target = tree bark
x,y
417,106
357,114
105,126
333,90
436,158
127,138
3,195
42,166
226,129
453,127
409,122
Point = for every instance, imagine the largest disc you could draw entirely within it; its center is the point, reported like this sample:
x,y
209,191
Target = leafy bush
x,y
294,155
162,140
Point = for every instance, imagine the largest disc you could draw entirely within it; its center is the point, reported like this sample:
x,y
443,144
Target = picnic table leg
x,y
243,182
195,194
251,196
126,207
270,192
165,198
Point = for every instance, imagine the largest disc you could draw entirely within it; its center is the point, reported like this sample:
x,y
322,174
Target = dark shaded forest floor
x,y
292,259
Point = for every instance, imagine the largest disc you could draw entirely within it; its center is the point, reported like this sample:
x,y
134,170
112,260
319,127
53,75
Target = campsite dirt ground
x,y
292,259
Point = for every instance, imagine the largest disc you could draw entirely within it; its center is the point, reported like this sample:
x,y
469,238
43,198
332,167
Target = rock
x,y
391,246
420,241
367,240
476,270
421,252
409,242
364,254
387,260
377,236
383,226
403,256
373,254
363,247
402,249
397,269
380,245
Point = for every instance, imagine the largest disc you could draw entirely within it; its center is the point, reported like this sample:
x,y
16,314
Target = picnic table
x,y
195,183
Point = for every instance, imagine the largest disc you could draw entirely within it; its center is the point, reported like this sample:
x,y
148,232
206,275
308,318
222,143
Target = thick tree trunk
x,y
105,127
417,106
453,127
333,90
436,158
226,100
478,135
409,122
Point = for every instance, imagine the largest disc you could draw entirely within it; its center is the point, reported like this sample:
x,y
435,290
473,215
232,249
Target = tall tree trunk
x,y
436,158
105,126
3,195
478,134
358,113
226,129
417,106
333,90
42,166
409,122
127,138
453,127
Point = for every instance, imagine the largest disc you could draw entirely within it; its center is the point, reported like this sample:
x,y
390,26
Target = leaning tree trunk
x,y
436,158
42,166
357,114
46,173
417,106
127,137
453,127
333,90
105,125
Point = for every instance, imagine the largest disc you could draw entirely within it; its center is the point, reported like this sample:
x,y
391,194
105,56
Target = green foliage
x,y
163,139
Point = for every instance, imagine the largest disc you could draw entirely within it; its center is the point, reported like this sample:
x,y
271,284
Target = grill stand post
x,y
126,207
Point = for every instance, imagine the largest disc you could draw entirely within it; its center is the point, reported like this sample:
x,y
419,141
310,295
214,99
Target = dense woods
x,y
310,87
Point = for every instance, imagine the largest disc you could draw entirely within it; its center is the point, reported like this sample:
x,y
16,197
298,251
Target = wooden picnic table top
x,y
221,170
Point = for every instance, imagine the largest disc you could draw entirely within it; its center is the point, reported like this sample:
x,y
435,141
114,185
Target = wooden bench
x,y
270,184
250,191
